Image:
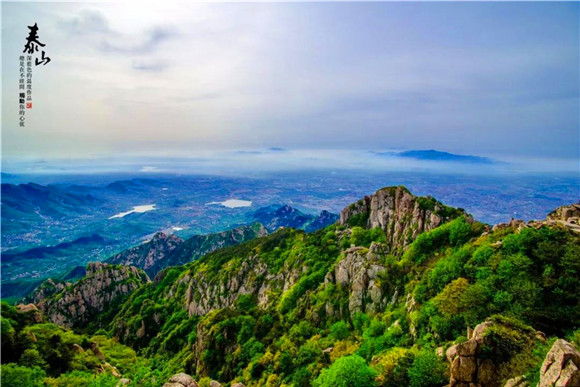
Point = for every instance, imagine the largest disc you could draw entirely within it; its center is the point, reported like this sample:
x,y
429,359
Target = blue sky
x,y
496,79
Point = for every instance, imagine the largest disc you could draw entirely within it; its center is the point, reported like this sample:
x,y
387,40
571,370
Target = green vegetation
x,y
44,354
348,371
448,279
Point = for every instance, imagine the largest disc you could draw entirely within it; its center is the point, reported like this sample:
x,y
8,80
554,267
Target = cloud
x,y
474,78
154,66
131,45
148,169
87,22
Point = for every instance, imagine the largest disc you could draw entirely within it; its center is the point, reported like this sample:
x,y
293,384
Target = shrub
x,y
393,366
348,371
16,375
427,370
339,330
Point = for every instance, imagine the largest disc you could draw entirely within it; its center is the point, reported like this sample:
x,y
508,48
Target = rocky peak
x,y
286,209
150,256
568,216
400,214
45,290
93,267
77,304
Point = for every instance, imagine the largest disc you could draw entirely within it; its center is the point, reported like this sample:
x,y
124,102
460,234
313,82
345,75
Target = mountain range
x,y
401,290
434,155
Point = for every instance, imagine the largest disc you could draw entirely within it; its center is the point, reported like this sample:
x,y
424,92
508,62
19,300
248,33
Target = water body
x,y
232,203
136,209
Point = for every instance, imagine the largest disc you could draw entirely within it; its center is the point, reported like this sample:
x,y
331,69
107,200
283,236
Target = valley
x,y
48,228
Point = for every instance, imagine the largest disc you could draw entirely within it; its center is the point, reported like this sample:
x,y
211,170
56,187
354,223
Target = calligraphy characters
x,y
32,44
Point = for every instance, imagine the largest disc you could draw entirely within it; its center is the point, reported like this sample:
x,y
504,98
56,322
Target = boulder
x,y
469,366
97,351
112,370
181,380
31,310
561,367
519,381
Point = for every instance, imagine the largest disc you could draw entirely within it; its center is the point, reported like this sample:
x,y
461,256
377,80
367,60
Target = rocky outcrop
x,y
470,363
561,366
199,245
568,216
31,311
566,213
518,381
466,366
400,214
357,273
149,256
181,380
46,289
77,304
565,216
252,277
169,250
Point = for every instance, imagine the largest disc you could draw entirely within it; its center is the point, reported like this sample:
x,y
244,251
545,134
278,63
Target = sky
x,y
177,79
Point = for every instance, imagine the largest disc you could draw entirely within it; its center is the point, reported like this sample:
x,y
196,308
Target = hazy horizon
x,y
265,161
488,79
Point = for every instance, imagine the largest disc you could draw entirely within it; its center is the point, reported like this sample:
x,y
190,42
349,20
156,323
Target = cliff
x,y
399,214
77,304
150,256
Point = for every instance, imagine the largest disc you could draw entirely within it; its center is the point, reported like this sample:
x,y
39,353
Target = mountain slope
x,y
273,217
34,200
377,298
79,303
169,250
340,291
150,256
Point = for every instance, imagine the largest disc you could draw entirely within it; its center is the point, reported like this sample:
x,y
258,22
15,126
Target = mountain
x,y
273,217
169,250
402,291
200,245
434,155
45,252
78,304
400,214
35,200
150,256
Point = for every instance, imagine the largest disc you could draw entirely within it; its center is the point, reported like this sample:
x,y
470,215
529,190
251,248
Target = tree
x,y
347,371
15,375
427,370
339,330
